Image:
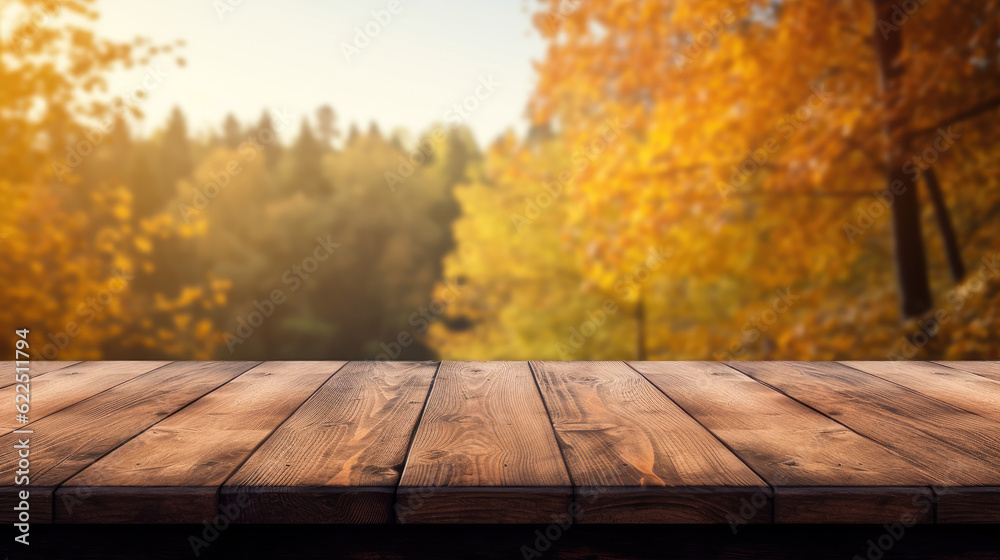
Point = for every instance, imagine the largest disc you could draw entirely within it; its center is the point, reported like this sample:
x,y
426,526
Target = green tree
x,y
267,137
232,132
307,163
326,125
174,159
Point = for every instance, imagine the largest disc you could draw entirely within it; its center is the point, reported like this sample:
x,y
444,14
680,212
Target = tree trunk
x,y
911,263
948,237
640,323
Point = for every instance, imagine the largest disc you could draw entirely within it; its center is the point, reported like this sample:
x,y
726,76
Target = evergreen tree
x,y
142,180
307,163
174,160
232,133
120,145
267,137
326,125
353,134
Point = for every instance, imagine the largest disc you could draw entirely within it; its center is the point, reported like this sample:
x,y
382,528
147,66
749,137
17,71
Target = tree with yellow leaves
x,y
75,254
767,144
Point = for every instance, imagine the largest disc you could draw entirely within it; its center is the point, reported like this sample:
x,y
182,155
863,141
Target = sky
x,y
244,56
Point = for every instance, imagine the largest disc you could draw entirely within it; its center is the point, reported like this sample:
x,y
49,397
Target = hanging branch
x,y
969,113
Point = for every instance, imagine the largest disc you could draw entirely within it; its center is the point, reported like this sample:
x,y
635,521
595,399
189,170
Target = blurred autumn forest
x,y
732,179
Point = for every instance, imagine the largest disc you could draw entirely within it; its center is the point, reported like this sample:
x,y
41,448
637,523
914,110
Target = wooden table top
x,y
506,442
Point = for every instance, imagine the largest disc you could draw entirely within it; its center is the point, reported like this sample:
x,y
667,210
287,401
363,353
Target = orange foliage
x,y
74,254
751,147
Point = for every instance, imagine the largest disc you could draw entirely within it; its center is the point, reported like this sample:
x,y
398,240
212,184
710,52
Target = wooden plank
x,y
35,369
484,452
69,385
990,370
171,473
635,457
821,471
964,390
68,441
970,505
338,458
951,444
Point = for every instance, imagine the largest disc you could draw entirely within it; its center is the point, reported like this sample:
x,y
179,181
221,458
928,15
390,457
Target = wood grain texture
x,y
989,370
69,385
854,505
484,451
961,389
634,456
553,442
822,471
339,457
66,442
953,445
35,369
175,468
967,505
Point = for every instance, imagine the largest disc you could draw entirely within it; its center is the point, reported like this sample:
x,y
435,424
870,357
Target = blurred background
x,y
556,179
